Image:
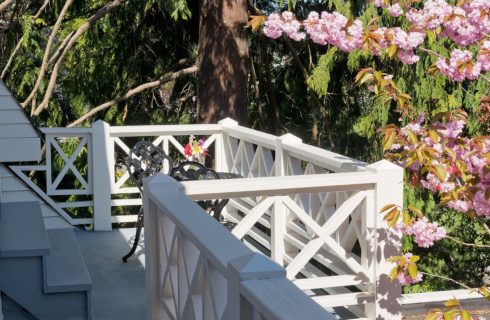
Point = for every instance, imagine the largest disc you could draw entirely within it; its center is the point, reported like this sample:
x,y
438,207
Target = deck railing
x,y
195,269
89,163
314,212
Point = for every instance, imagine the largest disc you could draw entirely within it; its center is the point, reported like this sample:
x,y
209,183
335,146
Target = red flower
x,y
188,150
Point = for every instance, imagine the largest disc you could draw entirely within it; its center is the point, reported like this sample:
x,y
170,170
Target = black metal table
x,y
189,171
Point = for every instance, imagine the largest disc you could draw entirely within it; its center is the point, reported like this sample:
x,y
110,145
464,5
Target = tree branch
x,y
445,278
475,245
167,78
62,46
19,43
80,31
47,50
5,4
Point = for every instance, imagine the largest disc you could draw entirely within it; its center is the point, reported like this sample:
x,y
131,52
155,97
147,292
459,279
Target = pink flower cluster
x,y
467,24
462,150
404,277
277,25
460,66
424,232
334,29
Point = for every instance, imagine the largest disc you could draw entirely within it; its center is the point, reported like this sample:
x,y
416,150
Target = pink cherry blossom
x,y
395,10
425,233
452,68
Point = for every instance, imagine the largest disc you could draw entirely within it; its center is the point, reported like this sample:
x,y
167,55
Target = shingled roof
x,y
19,140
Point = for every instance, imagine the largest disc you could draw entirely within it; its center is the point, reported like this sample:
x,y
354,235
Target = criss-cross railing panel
x,y
170,144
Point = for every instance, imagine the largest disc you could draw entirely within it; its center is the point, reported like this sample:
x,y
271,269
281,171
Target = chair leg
x,y
139,225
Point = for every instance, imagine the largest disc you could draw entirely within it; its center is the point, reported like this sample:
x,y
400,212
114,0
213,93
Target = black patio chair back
x,y
144,160
191,170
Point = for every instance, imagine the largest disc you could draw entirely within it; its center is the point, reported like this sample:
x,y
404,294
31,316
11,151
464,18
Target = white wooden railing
x,y
313,212
195,269
95,166
319,257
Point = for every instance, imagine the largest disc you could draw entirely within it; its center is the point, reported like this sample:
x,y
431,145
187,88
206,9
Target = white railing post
x,y
223,160
278,219
103,174
251,267
153,250
384,243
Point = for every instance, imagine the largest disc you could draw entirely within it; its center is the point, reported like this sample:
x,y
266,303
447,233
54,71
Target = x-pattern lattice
x,y
69,166
192,288
334,225
250,160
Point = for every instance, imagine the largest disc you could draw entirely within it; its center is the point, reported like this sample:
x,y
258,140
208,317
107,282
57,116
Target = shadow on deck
x,y
119,290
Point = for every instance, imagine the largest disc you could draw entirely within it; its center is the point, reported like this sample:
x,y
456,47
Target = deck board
x,y
119,288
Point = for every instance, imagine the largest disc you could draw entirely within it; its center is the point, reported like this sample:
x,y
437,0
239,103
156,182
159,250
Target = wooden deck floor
x,y
118,288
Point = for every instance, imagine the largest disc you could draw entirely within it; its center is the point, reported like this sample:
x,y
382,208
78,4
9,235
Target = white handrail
x,y
195,236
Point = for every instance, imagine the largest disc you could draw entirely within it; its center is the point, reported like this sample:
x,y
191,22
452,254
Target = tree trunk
x,y
222,60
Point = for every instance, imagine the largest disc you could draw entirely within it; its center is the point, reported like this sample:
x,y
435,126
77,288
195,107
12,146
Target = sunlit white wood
x,y
124,219
346,299
435,296
251,218
75,204
69,161
323,234
199,233
323,158
66,132
19,172
388,190
121,144
250,135
128,190
171,130
249,187
176,144
329,282
103,157
125,202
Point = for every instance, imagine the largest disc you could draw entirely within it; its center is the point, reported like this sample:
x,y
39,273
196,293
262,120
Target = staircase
x,y
42,270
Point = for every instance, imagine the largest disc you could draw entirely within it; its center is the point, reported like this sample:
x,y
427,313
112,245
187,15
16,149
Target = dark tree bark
x,y
223,61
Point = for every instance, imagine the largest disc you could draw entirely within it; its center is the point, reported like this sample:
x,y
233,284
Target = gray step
x,y
64,268
22,230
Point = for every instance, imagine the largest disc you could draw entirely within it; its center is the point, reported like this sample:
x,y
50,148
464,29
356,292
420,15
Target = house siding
x,y
12,189
18,138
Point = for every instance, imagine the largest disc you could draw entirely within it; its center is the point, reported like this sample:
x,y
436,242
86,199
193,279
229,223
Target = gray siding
x,y
18,139
12,189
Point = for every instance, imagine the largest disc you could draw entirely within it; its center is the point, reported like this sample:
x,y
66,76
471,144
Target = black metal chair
x,y
144,160
191,170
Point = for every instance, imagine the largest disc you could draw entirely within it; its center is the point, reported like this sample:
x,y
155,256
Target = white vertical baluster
x,y
103,179
278,219
384,242
224,161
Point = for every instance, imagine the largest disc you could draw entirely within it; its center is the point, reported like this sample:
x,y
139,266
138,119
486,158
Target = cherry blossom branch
x,y
467,244
445,278
167,78
432,52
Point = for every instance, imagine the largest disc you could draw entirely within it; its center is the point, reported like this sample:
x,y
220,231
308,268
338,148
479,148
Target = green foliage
x,y
320,77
